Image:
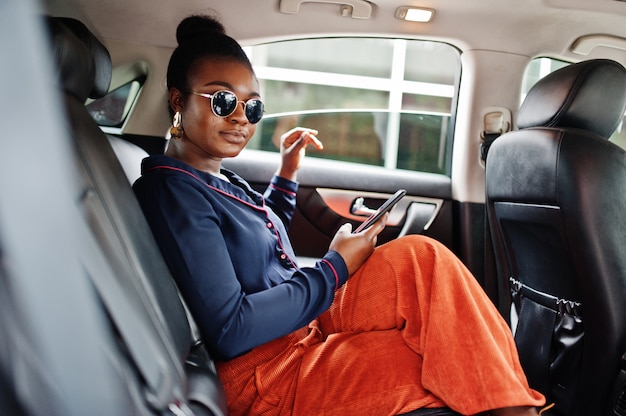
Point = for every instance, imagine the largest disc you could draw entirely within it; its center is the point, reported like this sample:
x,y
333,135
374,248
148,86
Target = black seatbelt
x,y
486,140
496,122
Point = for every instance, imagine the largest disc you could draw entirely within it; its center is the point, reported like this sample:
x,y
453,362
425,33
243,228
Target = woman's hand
x,y
356,248
292,148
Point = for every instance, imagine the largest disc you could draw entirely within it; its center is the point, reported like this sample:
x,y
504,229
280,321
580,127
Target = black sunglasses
x,y
224,103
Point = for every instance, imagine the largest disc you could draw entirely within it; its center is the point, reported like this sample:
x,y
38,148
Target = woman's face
x,y
207,135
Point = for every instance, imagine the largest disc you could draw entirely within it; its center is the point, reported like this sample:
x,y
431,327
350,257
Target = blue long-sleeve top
x,y
228,250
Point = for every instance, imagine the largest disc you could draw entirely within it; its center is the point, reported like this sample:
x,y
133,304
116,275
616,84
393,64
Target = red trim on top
x,y
334,272
283,190
243,202
280,243
212,187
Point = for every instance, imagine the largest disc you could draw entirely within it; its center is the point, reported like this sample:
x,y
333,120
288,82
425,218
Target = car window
x,y
539,68
112,109
375,101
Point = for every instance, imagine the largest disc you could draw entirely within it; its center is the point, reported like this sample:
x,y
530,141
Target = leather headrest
x,y
589,95
84,63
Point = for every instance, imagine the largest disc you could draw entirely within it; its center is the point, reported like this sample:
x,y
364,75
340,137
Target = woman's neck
x,y
212,166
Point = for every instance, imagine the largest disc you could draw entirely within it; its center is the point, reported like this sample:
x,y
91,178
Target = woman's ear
x,y
176,99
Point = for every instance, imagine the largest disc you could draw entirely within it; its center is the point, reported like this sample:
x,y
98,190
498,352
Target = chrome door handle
x,y
359,208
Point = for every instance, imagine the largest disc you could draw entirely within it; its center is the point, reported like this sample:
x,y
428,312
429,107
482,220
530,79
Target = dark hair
x,y
200,37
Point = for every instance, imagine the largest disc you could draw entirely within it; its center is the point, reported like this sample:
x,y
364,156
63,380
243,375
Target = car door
x,y
330,191
386,124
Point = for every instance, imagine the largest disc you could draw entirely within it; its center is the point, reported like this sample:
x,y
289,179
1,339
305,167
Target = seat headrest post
x,y
589,95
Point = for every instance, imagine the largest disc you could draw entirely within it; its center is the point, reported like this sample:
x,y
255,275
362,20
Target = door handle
x,y
359,208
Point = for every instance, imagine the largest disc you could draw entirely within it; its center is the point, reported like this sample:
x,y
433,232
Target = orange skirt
x,y
410,329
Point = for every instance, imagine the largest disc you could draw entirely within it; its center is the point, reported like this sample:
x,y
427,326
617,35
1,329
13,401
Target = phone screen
x,y
386,207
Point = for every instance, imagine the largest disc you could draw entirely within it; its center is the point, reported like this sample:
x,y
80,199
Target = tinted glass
x,y
112,109
383,102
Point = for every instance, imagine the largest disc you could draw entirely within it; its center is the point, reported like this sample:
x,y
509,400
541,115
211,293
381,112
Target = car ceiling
x,y
526,27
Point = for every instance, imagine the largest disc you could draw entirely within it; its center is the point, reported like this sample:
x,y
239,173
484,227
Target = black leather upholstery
x,y
556,193
167,366
76,71
100,70
585,96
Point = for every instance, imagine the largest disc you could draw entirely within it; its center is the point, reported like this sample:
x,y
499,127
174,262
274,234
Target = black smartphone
x,y
386,207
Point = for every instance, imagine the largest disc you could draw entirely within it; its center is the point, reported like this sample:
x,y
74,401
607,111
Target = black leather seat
x,y
167,370
556,196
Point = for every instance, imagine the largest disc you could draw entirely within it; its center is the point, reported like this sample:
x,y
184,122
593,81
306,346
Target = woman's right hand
x,y
356,248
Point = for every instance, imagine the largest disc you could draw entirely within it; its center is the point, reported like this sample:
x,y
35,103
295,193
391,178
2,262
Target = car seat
x,y
168,369
555,194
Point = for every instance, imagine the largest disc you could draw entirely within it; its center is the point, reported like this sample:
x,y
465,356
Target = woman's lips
x,y
236,137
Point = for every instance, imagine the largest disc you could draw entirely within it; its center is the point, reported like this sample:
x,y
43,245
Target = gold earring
x,y
176,131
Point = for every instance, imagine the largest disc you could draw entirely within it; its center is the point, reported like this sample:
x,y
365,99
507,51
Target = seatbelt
x,y
496,122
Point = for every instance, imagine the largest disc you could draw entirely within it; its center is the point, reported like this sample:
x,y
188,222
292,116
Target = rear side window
x,y
375,101
540,67
112,109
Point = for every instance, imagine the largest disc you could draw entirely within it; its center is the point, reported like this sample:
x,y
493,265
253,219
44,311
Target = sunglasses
x,y
224,103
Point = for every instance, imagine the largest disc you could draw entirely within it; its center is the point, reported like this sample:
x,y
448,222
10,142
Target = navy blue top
x,y
228,250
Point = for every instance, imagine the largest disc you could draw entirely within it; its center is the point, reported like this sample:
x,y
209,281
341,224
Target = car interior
x,y
502,121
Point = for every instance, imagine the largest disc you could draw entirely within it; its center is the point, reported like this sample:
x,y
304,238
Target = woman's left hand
x,y
292,148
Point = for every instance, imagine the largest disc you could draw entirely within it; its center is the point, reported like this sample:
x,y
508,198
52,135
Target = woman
x,y
410,329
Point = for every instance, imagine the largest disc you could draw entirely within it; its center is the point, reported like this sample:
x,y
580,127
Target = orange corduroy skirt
x,y
410,329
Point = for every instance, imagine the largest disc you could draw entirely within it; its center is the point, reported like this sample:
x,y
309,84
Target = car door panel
x,y
328,189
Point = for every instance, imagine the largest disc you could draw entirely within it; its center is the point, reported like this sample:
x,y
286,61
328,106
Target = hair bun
x,y
196,26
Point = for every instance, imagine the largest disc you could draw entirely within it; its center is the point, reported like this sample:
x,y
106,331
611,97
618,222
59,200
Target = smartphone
x,y
386,207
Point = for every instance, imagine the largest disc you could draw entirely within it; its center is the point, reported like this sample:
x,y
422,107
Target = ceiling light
x,y
414,14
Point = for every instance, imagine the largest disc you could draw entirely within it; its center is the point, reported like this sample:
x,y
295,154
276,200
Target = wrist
x,y
288,174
